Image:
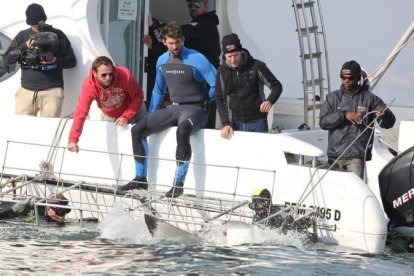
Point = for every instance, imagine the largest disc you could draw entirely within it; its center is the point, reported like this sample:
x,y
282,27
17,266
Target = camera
x,y
41,51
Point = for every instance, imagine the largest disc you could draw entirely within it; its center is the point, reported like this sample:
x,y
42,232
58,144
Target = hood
x,y
209,16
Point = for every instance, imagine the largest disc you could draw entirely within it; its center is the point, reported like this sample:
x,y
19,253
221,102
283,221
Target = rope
x,y
46,166
304,195
380,70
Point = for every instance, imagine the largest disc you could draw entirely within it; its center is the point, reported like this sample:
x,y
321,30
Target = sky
x,y
367,31
361,30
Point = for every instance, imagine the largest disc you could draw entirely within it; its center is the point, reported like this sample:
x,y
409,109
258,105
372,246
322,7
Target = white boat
x,y
223,173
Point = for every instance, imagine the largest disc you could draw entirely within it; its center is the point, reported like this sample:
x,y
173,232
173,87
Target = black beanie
x,y
34,14
351,67
231,43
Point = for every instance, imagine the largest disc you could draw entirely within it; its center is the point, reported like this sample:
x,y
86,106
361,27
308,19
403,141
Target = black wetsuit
x,y
187,77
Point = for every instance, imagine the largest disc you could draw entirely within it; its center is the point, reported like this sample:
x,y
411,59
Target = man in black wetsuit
x,y
201,34
187,73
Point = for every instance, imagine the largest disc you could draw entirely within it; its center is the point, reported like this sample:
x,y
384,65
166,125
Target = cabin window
x,y
5,70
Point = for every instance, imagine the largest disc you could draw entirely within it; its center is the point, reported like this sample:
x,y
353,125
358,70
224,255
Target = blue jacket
x,y
189,77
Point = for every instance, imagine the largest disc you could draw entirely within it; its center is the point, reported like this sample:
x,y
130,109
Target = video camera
x,y
41,51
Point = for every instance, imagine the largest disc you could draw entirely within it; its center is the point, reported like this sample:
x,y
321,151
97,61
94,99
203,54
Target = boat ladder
x,y
313,55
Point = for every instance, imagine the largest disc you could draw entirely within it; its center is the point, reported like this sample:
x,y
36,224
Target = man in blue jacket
x,y
187,73
346,113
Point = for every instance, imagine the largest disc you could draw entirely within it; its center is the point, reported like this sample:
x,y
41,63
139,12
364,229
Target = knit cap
x,y
34,14
231,43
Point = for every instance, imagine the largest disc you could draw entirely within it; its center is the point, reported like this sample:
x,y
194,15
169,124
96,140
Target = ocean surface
x,y
122,245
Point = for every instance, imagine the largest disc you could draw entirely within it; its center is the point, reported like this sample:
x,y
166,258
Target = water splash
x,y
239,233
121,225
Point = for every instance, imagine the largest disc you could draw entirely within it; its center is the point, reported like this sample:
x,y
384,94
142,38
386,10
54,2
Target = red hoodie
x,y
121,99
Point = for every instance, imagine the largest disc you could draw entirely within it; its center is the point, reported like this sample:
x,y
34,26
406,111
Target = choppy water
x,y
121,245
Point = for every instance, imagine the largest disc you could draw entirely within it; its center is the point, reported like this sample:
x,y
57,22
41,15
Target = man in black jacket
x,y
346,113
242,79
42,52
201,33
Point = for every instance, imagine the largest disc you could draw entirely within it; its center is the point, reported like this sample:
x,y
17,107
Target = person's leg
x,y
357,166
154,122
183,156
140,150
140,115
259,125
237,125
24,102
339,164
50,102
191,120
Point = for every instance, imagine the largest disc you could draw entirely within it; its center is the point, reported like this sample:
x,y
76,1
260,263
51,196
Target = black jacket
x,y
244,86
35,79
341,131
202,35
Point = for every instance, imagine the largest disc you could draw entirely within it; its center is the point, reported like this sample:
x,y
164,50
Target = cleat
x,y
139,182
175,190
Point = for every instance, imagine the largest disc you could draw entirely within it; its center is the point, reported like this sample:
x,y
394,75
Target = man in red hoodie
x,y
116,92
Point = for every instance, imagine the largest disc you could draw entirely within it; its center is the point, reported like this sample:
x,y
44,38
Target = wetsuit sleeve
x,y
330,117
158,92
208,73
136,95
221,99
80,114
267,77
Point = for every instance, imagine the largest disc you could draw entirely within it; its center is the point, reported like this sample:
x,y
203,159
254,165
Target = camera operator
x,y
42,51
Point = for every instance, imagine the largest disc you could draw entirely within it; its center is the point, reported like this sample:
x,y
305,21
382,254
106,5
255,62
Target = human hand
x,y
265,106
29,43
227,132
121,121
380,112
147,40
51,213
353,117
73,147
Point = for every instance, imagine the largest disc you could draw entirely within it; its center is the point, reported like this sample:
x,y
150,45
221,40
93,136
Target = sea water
x,y
122,245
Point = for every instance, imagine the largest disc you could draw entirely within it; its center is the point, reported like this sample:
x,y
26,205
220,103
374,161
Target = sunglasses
x,y
196,4
104,75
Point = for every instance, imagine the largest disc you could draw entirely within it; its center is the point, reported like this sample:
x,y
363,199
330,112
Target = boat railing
x,y
94,199
91,199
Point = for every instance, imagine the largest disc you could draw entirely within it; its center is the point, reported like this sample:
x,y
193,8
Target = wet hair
x,y
173,30
101,60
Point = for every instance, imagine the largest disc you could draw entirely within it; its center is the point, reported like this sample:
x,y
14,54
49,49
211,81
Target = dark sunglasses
x,y
348,78
104,75
196,4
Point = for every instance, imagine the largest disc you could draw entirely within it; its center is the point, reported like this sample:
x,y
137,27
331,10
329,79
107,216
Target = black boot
x,y
176,190
139,182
